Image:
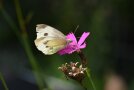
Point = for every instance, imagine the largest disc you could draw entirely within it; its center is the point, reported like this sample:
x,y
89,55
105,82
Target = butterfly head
x,y
69,41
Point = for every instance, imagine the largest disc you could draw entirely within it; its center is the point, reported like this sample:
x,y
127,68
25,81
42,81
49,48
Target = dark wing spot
x,y
41,26
47,46
45,34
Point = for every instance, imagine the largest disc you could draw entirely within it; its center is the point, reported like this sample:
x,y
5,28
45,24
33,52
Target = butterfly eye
x,y
45,34
69,40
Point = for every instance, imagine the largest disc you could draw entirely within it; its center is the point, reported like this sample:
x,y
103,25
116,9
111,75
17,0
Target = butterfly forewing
x,y
48,31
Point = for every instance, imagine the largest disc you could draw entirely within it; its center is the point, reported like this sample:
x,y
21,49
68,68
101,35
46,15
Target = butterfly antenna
x,y
76,29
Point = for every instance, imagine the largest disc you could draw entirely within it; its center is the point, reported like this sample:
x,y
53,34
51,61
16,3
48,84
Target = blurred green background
x,y
110,46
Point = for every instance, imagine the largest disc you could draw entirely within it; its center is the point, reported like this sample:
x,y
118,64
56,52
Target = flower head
x,y
74,45
73,71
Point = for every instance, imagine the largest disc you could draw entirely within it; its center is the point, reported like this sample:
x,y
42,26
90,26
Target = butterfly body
x,y
49,40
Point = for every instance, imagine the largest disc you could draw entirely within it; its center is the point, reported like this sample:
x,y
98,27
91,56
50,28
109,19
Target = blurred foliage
x,y
109,47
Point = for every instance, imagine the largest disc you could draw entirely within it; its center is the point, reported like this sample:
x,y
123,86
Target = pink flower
x,y
74,45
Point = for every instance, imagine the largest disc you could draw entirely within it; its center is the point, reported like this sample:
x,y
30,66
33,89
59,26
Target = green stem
x,y
23,38
84,64
11,23
20,16
32,61
26,45
3,81
90,78
83,58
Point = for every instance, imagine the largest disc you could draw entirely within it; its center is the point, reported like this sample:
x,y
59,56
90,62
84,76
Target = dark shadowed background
x,y
110,46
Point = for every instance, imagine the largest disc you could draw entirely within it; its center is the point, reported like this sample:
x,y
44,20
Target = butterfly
x,y
50,40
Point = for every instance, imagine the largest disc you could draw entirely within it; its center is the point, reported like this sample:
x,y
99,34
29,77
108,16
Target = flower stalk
x,y
84,63
82,58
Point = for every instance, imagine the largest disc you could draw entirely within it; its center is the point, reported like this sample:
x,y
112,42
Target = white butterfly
x,y
49,40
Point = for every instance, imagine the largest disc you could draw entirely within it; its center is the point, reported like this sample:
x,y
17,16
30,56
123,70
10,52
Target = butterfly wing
x,y
44,30
49,40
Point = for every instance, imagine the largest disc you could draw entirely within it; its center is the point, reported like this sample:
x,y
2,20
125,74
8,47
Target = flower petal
x,y
72,37
83,37
67,50
82,46
74,46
